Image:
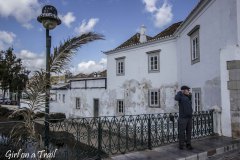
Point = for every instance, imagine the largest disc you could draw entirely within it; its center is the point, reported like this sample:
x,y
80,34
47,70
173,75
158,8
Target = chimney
x,y
143,37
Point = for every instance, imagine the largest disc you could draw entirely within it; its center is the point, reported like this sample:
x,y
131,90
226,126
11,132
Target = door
x,y
96,107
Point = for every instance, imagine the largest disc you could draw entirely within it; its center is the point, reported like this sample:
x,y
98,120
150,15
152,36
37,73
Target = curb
x,y
208,154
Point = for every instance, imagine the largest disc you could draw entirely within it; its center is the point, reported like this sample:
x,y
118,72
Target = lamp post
x,y
50,20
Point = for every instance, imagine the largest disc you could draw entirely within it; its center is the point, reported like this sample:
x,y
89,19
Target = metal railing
x,y
102,136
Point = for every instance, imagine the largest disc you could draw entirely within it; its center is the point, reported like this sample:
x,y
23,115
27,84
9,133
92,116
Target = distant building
x,y
7,95
79,95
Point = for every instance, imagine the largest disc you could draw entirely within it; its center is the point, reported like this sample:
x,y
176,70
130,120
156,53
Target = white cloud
x,y
27,25
150,5
32,61
87,26
68,19
162,15
6,39
90,66
22,10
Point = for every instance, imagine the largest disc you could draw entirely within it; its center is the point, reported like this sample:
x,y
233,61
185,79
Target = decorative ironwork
x,y
83,138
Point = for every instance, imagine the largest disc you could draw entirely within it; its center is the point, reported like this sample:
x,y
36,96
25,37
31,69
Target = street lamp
x,y
50,20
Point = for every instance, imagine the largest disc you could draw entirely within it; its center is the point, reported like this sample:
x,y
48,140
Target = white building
x,y
80,96
144,73
7,94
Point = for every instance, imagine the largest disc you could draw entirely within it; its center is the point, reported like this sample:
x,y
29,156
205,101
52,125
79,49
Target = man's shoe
x,y
189,146
181,147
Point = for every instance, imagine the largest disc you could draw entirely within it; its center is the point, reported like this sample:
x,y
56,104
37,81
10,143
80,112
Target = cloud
x,y
150,5
6,39
90,66
22,10
162,15
86,27
68,19
27,25
32,61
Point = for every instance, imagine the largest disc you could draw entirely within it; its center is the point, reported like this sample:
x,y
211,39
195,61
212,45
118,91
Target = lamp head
x,y
49,17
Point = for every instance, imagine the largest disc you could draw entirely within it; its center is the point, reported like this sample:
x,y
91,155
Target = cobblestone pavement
x,y
233,155
210,148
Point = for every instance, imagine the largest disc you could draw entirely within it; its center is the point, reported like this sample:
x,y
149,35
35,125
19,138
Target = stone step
x,y
204,149
213,152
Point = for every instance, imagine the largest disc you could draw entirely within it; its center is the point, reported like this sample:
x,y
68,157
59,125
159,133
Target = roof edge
x,y
138,45
199,7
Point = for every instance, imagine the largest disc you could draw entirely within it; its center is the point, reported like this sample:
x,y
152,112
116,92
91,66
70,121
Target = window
x,y
154,98
120,66
63,98
120,107
195,44
78,103
195,48
59,97
196,99
153,61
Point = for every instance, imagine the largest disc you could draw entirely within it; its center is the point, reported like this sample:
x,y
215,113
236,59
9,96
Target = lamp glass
x,y
49,23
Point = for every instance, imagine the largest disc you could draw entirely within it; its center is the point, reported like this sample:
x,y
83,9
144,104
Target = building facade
x,y
144,73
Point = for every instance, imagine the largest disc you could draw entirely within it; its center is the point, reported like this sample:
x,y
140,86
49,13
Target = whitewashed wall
x,y
134,85
227,54
219,27
57,105
217,30
6,93
86,98
89,83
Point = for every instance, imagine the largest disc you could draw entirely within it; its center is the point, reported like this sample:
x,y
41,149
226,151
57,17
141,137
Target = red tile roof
x,y
91,75
133,40
169,31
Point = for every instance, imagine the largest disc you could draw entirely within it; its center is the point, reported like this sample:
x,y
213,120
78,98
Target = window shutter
x,y
159,98
149,96
198,47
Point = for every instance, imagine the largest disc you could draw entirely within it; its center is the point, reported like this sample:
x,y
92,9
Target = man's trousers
x,y
185,125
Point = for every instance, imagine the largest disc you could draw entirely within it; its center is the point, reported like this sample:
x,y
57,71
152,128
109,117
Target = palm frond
x,y
36,89
64,53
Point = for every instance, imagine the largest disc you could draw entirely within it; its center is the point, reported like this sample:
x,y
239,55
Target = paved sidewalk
x,y
204,148
232,155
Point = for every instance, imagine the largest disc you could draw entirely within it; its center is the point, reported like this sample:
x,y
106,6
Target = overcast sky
x,y
117,20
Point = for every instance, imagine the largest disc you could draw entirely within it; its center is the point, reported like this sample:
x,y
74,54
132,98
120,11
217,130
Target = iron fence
x,y
94,138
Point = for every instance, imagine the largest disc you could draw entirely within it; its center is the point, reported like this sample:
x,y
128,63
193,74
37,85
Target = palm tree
x,y
36,87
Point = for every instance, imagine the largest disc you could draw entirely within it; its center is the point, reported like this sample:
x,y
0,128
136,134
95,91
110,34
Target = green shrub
x,y
5,112
16,117
56,117
39,115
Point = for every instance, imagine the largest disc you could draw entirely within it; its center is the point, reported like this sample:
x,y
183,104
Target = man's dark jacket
x,y
185,105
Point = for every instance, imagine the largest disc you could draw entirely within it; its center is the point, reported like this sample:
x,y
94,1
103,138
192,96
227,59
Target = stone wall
x,y
234,88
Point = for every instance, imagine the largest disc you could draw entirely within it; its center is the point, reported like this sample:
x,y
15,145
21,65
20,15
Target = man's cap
x,y
185,87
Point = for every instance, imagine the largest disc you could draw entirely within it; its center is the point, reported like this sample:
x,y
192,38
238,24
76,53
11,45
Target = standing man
x,y
184,99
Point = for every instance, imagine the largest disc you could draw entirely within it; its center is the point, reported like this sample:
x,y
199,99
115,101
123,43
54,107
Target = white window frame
x,y
195,47
154,98
77,103
120,107
196,99
154,61
195,44
120,66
